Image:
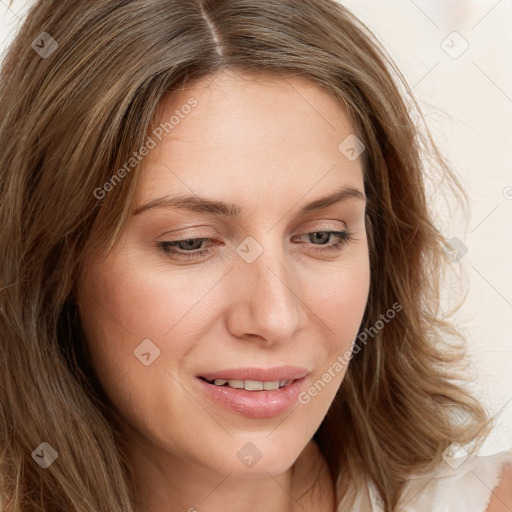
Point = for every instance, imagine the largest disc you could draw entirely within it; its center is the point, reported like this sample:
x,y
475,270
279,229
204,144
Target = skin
x,y
501,498
270,145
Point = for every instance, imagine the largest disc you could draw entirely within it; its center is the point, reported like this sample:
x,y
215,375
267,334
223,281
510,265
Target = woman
x,y
220,273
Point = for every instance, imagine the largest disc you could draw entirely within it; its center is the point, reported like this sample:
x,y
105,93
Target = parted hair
x,y
72,117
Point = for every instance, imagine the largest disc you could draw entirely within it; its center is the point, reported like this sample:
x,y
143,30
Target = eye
x,y
193,247
342,238
185,247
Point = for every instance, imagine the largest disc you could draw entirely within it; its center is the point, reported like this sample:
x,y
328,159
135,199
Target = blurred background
x,y
456,56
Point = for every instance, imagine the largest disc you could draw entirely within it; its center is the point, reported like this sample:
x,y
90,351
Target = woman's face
x,y
270,297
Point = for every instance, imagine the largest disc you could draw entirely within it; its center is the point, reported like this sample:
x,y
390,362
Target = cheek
x,y
340,310
125,302
339,297
123,305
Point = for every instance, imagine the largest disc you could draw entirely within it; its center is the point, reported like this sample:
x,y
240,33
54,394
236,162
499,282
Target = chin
x,y
258,455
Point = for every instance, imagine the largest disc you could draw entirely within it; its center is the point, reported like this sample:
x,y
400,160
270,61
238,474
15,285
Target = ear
x,y
501,500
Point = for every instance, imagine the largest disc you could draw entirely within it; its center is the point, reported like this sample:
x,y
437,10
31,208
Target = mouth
x,y
250,385
254,392
268,375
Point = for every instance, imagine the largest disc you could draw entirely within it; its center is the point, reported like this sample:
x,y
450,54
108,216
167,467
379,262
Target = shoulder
x,y
471,482
501,498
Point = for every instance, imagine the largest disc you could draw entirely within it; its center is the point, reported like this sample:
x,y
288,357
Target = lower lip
x,y
255,404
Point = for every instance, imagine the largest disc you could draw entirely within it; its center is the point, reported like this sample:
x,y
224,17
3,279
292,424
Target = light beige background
x,y
467,99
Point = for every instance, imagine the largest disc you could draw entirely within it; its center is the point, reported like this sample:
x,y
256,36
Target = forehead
x,y
236,132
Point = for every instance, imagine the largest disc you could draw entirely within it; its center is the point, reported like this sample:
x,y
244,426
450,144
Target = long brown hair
x,y
74,112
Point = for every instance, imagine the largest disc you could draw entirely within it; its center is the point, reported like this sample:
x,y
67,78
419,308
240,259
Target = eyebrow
x,y
197,204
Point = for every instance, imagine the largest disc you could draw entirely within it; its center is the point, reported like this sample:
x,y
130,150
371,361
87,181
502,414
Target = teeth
x,y
237,384
253,385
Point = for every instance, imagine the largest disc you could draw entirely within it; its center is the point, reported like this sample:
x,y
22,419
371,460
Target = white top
x,y
458,484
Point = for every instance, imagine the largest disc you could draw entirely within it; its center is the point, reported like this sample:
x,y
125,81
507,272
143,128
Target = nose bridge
x,y
266,302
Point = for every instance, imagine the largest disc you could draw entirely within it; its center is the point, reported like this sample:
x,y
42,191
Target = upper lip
x,y
258,374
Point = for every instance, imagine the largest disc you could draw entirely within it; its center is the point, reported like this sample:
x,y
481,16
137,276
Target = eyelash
x,y
344,237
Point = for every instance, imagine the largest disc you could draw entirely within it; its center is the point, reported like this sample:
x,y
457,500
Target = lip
x,y
255,404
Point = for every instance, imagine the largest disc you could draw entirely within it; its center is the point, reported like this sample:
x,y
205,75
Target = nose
x,y
266,302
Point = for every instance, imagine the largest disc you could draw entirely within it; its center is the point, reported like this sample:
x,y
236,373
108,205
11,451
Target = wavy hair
x,y
71,117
